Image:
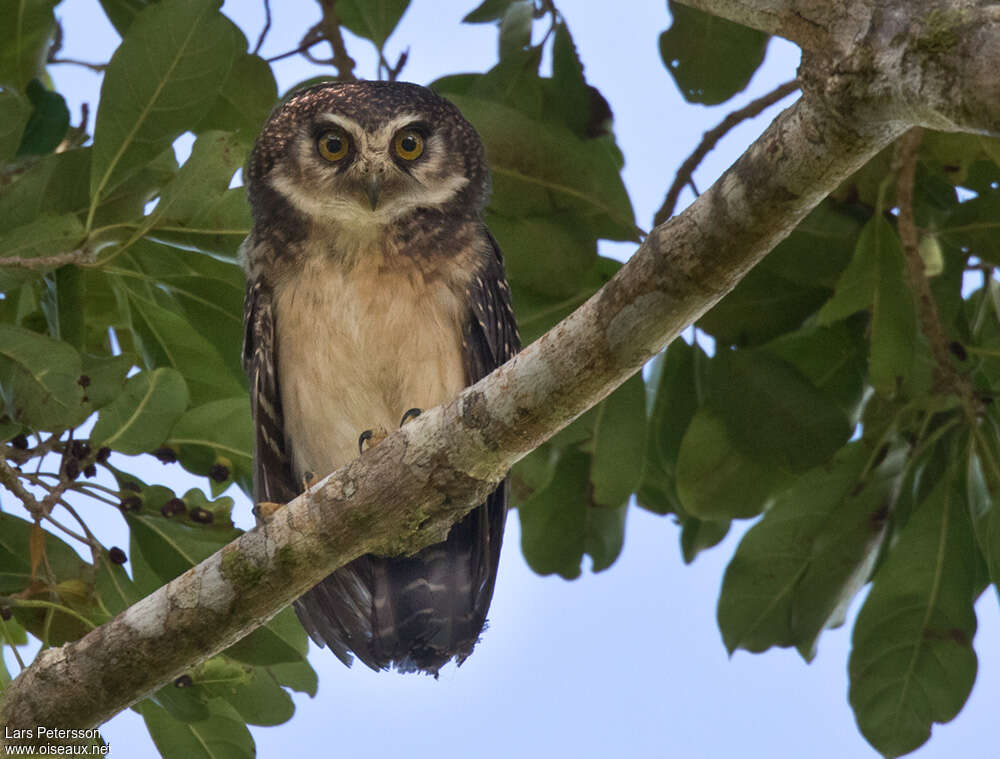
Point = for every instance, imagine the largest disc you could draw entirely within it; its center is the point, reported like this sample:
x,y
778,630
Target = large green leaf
x,y
214,433
252,691
371,19
710,58
39,379
618,443
795,572
140,419
45,236
48,122
246,98
542,169
25,34
716,478
282,640
912,662
161,81
223,735
899,361
57,184
14,112
167,338
773,412
559,523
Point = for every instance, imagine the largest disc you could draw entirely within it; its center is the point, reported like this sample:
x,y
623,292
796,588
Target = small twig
x,y
10,642
96,67
331,30
905,165
711,138
78,256
11,480
266,29
392,72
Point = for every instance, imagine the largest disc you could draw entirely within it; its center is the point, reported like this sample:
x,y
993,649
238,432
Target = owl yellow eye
x,y
333,145
408,144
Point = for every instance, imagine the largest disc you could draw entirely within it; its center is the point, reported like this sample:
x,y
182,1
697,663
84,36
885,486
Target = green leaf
x,y
246,99
912,662
710,58
762,306
488,12
832,358
48,122
796,570
204,177
716,478
223,735
168,339
559,524
219,431
162,80
618,443
218,228
121,13
282,640
45,236
551,255
700,534
900,360
24,39
139,420
298,676
57,184
14,112
169,547
855,290
39,379
372,19
15,565
259,699
515,28
209,291
773,412
819,248
103,378
540,169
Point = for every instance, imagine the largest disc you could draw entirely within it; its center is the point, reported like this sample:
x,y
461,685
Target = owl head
x,y
367,154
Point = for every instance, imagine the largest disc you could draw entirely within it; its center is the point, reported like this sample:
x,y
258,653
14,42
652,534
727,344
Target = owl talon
x,y
412,413
372,438
265,510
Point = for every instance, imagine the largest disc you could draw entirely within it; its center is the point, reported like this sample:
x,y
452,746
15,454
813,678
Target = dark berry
x,y
201,516
84,381
71,468
184,681
20,442
166,454
219,472
117,556
173,506
131,503
102,454
90,470
958,350
6,613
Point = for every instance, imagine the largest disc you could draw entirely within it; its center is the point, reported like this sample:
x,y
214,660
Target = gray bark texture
x,y
871,69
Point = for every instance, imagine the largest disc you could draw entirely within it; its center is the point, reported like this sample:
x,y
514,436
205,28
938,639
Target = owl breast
x,y
359,345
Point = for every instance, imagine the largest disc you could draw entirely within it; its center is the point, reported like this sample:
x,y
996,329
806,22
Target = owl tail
x,y
415,612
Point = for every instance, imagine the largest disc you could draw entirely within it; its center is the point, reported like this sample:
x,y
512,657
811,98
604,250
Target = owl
x,y
374,290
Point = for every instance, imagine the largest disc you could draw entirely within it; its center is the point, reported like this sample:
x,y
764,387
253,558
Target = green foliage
x,y
821,408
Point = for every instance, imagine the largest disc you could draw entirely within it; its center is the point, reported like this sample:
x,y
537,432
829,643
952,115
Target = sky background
x,y
628,662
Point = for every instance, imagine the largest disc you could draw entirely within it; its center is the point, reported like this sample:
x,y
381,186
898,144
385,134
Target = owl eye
x,y
409,144
333,145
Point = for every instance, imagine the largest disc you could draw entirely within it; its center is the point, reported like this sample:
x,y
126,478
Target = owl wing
x,y
346,595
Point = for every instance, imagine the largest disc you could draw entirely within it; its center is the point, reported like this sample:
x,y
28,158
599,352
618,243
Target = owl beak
x,y
373,188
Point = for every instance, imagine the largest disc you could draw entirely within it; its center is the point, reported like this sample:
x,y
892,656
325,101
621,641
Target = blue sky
x,y
625,663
